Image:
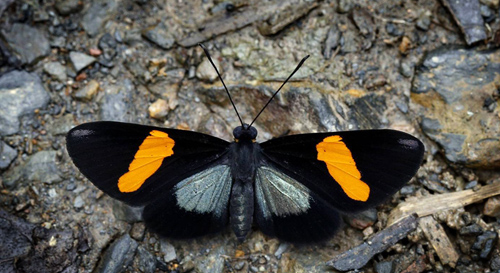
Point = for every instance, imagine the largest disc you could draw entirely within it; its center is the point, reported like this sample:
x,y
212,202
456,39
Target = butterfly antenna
x,y
218,74
275,93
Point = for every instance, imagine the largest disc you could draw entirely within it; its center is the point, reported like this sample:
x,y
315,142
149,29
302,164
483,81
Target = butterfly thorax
x,y
243,161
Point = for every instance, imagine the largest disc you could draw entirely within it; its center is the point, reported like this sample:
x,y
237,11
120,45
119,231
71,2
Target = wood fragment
x,y
357,257
439,240
428,205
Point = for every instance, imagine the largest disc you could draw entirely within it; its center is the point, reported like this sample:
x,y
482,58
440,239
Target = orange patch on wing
x,y
341,166
148,159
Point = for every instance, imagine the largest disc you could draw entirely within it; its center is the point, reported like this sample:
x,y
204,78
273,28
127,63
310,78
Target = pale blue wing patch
x,y
279,194
205,192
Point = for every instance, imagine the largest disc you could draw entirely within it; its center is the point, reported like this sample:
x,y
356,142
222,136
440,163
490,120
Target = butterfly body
x,y
293,187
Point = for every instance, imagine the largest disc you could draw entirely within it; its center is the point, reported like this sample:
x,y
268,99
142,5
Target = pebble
x,y
66,7
28,43
146,261
206,72
20,94
40,167
7,155
78,203
137,231
159,35
168,251
88,92
454,115
98,13
158,109
80,60
384,267
483,245
118,256
15,241
116,103
344,6
492,207
393,30
56,70
332,41
126,213
424,20
108,46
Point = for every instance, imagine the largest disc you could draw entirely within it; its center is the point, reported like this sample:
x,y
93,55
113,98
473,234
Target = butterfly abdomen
x,y
241,208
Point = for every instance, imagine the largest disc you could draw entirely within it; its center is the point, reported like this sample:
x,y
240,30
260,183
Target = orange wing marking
x,y
148,159
342,168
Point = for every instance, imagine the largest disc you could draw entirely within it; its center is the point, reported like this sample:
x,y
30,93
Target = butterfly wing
x,y
344,171
181,177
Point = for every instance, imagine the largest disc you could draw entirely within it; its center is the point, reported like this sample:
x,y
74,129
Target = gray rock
x,y
80,60
127,213
116,103
15,239
453,145
108,46
332,41
146,261
20,94
344,6
65,7
41,167
7,155
467,15
78,203
56,71
87,92
160,36
118,256
4,4
168,250
97,15
206,72
213,263
28,44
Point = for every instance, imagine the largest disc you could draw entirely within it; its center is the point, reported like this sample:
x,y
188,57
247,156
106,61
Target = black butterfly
x,y
293,187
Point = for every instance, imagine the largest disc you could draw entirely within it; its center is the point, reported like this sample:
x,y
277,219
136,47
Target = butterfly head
x,y
245,132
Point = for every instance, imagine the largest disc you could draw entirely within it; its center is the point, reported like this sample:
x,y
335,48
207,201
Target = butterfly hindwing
x,y
351,171
136,163
286,209
195,206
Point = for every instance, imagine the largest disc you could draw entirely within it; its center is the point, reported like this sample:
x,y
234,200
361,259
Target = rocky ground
x,y
430,68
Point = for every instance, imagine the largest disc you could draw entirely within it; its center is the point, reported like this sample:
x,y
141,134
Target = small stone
x,y
56,70
28,43
98,13
363,219
344,6
116,103
424,21
484,244
7,155
206,72
78,203
332,41
495,262
406,69
490,3
137,231
473,229
405,45
126,213
160,36
88,92
95,52
492,207
384,267
168,250
118,256
393,30
80,60
40,167
20,94
108,46
146,261
66,7
158,109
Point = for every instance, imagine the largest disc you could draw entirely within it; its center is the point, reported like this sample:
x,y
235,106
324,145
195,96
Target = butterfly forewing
x,y
136,163
351,171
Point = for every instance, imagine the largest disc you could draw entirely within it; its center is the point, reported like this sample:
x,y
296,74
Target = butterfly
x,y
294,187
